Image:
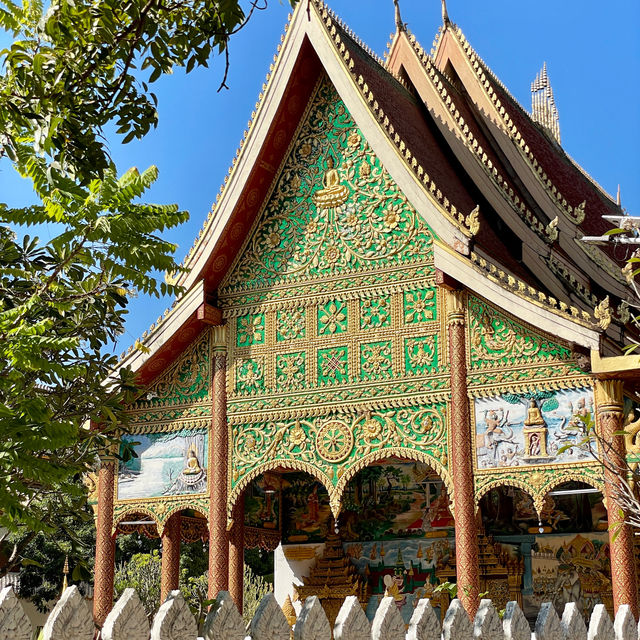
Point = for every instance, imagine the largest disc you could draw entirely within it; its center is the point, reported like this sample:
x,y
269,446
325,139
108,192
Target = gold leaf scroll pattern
x,y
307,230
538,482
187,380
497,339
331,444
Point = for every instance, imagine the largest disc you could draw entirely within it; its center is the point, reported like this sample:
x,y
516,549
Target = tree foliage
x,y
74,67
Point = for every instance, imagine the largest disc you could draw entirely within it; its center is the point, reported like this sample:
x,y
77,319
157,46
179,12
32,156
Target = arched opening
x,y
393,536
570,559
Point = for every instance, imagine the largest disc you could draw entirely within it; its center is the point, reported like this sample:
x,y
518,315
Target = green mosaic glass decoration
x,y
291,324
334,212
375,360
290,370
250,330
333,365
421,354
496,339
249,375
419,306
332,318
375,313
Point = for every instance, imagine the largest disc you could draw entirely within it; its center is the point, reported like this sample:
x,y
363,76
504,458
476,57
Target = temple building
x,y
392,348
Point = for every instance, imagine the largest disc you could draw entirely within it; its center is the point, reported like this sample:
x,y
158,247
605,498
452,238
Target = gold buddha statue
x,y
193,464
334,194
534,415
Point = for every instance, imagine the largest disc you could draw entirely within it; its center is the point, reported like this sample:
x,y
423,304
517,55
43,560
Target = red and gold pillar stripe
x,y
218,462
609,406
105,542
466,526
170,569
236,553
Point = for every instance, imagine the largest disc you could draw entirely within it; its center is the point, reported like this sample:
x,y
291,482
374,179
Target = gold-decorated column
x,y
466,526
170,569
609,407
236,553
105,543
218,463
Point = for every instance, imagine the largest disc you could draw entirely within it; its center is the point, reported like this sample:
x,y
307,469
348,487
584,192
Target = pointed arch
x,y
383,454
280,465
137,510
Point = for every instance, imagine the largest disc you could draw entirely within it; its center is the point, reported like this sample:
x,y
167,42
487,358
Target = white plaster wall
x,y
290,572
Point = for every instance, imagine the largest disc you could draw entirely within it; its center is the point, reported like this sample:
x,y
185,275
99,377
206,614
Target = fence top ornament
x,y
127,620
224,620
174,620
71,619
14,623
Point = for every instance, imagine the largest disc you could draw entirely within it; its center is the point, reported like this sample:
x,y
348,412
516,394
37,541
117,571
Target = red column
x,y
218,459
466,526
609,402
170,570
105,543
236,554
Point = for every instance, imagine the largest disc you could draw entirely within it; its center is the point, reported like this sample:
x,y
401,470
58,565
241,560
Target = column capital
x,y
219,339
609,396
455,306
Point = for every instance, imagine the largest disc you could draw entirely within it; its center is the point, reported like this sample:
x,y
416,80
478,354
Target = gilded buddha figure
x,y
334,194
192,466
534,415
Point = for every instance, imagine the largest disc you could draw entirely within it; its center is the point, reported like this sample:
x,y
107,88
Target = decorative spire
x,y
400,26
543,104
618,199
65,573
445,14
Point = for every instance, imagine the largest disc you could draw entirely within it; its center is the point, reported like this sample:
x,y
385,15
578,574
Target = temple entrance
x,y
565,547
393,534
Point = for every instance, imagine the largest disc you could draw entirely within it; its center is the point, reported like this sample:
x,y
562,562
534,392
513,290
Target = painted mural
x,y
166,464
510,511
545,427
262,504
382,502
404,569
572,568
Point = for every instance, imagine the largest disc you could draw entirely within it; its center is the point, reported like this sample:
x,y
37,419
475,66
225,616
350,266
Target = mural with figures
x,y
545,427
383,502
166,464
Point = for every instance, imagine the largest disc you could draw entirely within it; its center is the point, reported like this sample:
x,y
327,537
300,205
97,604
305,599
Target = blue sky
x,y
592,50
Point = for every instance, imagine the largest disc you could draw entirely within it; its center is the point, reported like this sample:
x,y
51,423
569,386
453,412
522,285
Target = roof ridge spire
x,y
400,26
445,14
543,103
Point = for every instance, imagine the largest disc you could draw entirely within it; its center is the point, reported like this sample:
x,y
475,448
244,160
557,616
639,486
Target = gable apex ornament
x,y
445,14
400,26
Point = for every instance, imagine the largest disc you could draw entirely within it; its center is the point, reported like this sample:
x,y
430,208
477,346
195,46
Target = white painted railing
x,y
71,619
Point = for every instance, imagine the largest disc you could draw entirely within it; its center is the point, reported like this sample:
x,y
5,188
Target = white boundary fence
x,y
71,619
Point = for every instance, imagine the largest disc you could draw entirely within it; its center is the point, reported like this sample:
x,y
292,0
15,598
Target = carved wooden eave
x,y
486,91
170,335
515,297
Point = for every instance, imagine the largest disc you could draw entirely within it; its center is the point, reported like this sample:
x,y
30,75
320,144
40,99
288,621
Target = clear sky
x,y
592,50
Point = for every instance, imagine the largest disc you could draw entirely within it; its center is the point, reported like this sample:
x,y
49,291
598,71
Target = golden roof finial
x,y
65,573
400,26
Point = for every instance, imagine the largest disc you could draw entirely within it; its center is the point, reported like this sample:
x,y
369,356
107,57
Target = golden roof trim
x,y
435,75
523,290
432,190
574,213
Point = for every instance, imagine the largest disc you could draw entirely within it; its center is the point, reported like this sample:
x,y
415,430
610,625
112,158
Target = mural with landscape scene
x,y
166,464
384,501
543,427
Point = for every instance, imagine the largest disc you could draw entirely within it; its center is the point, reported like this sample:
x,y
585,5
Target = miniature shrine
x,y
391,350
